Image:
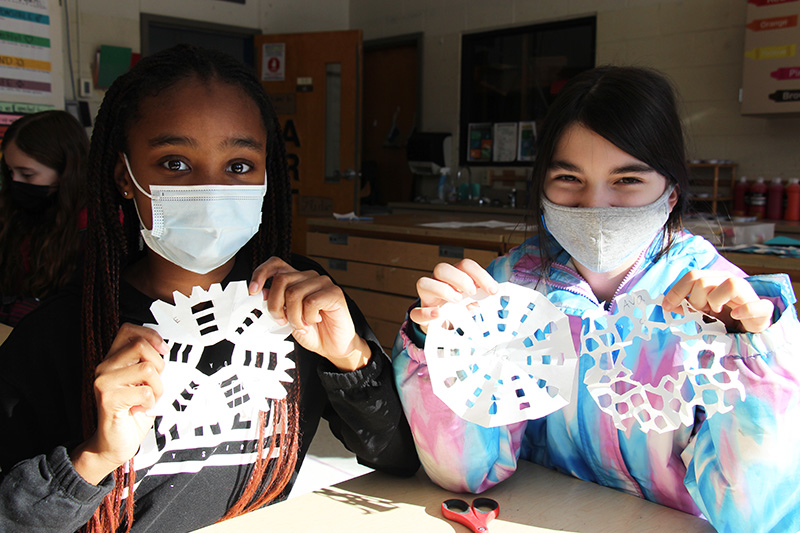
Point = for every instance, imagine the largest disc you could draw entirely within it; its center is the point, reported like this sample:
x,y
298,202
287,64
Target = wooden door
x,y
391,89
314,80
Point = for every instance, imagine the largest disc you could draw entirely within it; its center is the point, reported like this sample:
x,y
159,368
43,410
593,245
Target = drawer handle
x,y
337,264
456,252
337,238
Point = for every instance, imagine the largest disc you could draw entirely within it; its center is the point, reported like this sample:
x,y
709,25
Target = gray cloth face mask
x,y
603,238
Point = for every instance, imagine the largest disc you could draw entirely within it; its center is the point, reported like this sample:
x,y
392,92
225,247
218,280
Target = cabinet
x,y
711,185
378,264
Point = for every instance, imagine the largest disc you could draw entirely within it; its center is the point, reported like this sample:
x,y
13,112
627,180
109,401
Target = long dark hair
x,y
111,246
58,141
633,108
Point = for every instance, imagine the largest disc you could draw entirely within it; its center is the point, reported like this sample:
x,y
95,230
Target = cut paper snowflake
x,y
227,357
701,379
502,358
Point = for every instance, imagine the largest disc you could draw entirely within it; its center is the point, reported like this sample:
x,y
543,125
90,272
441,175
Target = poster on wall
x,y
504,147
771,68
25,51
273,62
479,141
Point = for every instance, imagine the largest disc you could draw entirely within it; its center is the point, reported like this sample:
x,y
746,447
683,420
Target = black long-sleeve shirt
x,y
40,419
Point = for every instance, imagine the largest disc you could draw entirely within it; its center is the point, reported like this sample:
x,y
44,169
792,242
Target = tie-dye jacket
x,y
740,469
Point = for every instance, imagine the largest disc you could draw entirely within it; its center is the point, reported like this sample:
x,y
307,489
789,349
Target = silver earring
x,y
124,193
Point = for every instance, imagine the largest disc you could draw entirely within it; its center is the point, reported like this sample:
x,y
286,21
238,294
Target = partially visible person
x,y
610,185
188,146
42,208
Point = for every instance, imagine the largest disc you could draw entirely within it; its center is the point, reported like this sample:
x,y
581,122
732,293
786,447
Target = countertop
x,y
782,227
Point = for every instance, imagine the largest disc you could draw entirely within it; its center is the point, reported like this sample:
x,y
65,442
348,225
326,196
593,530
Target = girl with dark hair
x,y
42,208
188,147
610,185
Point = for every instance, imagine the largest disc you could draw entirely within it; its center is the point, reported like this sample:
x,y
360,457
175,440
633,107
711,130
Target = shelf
x,y
719,182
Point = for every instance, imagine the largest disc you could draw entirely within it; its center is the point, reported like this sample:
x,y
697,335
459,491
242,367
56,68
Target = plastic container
x,y
792,200
774,209
757,205
740,197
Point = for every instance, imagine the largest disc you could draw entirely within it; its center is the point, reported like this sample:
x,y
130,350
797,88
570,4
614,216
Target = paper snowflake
x,y
502,358
227,357
701,381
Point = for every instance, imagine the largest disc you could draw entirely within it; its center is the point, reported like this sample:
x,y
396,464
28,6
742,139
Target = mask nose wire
x,y
130,173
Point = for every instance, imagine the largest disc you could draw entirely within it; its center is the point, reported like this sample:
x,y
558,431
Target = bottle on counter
x,y
758,198
774,210
464,184
445,188
792,200
740,197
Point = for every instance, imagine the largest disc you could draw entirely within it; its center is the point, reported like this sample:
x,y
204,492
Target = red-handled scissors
x,y
474,516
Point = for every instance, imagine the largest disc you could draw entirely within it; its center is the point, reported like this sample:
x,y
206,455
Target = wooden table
x,y
534,499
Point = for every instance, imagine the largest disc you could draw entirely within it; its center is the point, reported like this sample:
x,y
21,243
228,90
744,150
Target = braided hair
x,y
112,246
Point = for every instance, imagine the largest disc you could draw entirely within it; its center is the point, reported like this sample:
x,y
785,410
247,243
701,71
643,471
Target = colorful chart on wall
x,y
25,41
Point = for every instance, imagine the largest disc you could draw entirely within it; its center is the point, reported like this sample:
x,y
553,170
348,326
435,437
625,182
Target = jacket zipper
x,y
621,464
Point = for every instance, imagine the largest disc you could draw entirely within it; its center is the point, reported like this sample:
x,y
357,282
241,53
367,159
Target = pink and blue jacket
x,y
739,469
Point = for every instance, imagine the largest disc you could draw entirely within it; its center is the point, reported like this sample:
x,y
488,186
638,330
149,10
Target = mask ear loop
x,y
135,205
133,178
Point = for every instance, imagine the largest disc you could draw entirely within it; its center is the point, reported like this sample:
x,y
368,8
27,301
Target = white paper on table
x,y
225,351
502,358
492,224
703,380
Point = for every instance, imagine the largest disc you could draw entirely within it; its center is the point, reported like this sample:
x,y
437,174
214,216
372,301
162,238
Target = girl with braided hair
x,y
79,448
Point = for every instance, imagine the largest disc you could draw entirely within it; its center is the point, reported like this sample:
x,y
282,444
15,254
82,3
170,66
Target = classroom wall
x,y
93,23
698,43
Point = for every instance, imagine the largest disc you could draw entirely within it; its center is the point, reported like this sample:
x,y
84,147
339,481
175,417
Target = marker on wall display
x,y
763,3
786,73
775,23
772,52
786,95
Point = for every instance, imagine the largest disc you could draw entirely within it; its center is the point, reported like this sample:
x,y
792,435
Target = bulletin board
x,y
31,62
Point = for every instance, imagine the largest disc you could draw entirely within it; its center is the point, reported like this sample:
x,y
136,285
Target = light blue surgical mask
x,y
201,227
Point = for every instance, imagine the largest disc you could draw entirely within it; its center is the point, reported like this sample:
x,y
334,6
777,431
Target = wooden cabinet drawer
x,y
418,256
374,277
381,305
386,331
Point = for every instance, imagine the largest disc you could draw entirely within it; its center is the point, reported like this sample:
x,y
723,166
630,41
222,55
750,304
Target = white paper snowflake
x,y
227,357
502,358
664,406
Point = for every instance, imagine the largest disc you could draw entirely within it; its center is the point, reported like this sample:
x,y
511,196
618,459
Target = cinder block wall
x,y
698,43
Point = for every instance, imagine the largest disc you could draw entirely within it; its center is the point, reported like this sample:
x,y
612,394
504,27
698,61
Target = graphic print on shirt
x,y
228,360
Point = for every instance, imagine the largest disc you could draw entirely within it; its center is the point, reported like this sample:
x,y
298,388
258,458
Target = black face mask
x,y
32,198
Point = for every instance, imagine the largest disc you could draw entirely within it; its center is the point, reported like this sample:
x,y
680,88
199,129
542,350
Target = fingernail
x,y
163,348
434,313
253,287
300,331
281,321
